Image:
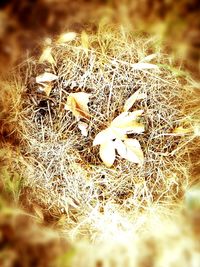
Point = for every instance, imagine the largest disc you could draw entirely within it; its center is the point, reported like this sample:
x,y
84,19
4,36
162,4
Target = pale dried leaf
x,y
83,126
131,100
142,66
103,136
134,127
181,130
134,152
107,153
84,41
46,77
148,58
126,123
125,118
121,148
47,56
46,88
66,37
77,103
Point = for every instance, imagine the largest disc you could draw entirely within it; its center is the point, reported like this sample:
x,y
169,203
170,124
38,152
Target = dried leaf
x,y
126,123
103,136
141,66
107,153
148,58
46,77
47,56
133,127
66,37
131,100
85,41
77,103
115,137
121,148
45,87
83,126
134,152
181,130
125,118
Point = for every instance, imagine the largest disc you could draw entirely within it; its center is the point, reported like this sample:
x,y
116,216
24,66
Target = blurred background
x,y
25,26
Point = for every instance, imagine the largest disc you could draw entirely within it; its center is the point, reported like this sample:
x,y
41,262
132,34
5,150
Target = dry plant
x,y
102,202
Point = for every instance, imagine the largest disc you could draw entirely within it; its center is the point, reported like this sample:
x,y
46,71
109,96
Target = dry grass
x,y
103,203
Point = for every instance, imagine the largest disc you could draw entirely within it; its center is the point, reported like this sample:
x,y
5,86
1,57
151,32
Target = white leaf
x,y
47,56
121,148
134,152
131,100
107,153
141,66
78,104
83,127
46,77
126,123
103,136
66,37
148,58
125,118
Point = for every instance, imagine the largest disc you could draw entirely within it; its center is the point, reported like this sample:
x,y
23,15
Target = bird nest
x,y
61,157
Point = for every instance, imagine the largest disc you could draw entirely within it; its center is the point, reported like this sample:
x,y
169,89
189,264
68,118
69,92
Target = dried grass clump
x,y
66,164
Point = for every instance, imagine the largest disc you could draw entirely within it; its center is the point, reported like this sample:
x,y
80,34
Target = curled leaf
x,y
77,103
107,153
83,126
47,56
131,100
66,37
46,77
45,82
